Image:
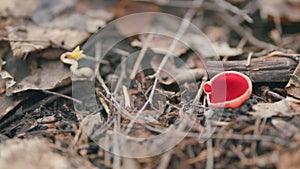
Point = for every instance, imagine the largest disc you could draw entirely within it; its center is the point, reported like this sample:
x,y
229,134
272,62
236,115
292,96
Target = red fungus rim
x,y
234,103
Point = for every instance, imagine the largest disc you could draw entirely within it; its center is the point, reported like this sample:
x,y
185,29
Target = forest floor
x,y
126,84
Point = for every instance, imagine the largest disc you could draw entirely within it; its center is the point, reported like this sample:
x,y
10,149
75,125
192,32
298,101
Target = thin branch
x,y
62,95
98,76
234,9
116,147
200,91
102,83
235,25
121,77
210,155
249,59
126,96
141,56
165,160
241,31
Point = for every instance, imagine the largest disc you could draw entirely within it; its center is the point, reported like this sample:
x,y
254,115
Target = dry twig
x,y
141,56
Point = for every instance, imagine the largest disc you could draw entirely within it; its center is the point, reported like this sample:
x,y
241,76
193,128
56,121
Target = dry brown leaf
x,y
293,87
223,49
57,13
43,74
47,10
290,41
166,28
193,61
295,106
284,127
90,21
17,8
2,85
210,49
40,38
280,108
35,154
134,24
289,159
281,9
8,79
57,22
216,34
130,163
66,14
161,44
171,74
7,103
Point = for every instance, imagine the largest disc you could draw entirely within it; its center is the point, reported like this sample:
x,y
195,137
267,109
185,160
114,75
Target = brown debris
x,y
33,38
42,75
289,159
17,8
36,153
293,87
172,74
161,117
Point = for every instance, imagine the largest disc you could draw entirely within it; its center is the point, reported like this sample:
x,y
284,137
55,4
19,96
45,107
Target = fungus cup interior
x,y
226,87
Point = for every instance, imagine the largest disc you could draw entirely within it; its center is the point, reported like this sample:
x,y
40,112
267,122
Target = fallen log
x,y
263,69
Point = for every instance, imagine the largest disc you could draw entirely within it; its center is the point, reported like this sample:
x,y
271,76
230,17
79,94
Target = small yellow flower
x,y
76,53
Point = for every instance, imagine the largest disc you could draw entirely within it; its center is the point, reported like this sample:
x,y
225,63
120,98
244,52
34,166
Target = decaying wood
x,y
264,69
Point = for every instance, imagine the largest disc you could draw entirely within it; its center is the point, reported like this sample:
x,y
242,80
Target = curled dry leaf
x,y
42,75
171,74
293,87
286,107
9,80
6,80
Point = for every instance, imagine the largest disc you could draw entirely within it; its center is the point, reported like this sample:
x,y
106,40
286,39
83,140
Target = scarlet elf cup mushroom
x,y
229,89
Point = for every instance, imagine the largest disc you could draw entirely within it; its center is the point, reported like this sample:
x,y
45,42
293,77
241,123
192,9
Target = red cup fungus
x,y
228,89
